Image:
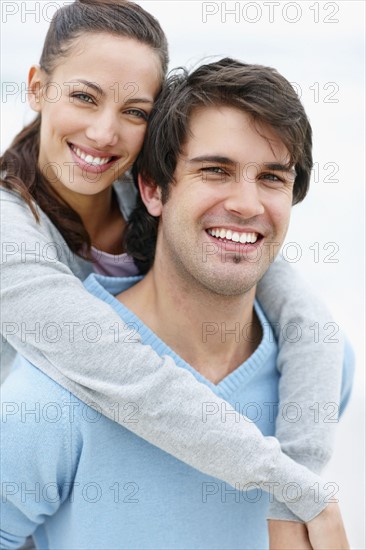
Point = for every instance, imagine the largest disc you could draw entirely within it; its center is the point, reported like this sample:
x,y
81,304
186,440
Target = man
x,y
219,173
217,184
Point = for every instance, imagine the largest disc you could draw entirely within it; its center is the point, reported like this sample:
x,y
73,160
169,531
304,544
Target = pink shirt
x,y
119,265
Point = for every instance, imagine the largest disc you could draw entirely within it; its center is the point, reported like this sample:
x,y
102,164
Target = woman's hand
x,y
326,531
288,535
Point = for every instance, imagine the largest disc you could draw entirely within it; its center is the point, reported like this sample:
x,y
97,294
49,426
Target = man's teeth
x,y
234,236
88,158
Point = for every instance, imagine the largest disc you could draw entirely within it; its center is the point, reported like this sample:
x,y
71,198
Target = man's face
x,y
229,210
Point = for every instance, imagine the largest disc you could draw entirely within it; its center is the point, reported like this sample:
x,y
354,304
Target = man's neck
x,y
213,333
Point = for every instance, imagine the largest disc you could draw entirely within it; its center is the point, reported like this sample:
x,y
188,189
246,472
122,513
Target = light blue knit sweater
x,y
81,481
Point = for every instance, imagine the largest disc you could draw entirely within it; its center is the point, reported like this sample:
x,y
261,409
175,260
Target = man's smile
x,y
242,237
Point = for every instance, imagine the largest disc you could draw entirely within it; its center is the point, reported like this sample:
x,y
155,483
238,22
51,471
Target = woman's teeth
x,y
98,161
234,236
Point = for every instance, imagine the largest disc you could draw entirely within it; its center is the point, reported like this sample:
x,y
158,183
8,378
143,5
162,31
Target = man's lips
x,y
233,239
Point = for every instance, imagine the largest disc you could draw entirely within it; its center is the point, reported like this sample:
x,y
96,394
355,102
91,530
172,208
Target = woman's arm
x,y
312,358
288,535
81,343
324,531
311,361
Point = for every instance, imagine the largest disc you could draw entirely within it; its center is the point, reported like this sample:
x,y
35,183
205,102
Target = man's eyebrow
x,y
275,166
212,158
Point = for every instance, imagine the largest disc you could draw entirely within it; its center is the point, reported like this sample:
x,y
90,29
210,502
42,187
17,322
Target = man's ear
x,y
35,83
151,196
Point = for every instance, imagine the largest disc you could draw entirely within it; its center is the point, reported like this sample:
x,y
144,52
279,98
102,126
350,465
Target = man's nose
x,y
244,198
103,130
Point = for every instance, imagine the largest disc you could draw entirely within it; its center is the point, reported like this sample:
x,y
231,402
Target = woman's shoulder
x,y
14,205
23,227
10,195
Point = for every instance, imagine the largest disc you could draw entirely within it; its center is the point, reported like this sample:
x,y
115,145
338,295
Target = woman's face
x,y
94,110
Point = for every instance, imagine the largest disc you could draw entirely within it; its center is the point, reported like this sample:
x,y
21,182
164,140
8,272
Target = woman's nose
x,y
103,130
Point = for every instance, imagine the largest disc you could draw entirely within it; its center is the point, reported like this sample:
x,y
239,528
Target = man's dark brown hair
x,y
259,91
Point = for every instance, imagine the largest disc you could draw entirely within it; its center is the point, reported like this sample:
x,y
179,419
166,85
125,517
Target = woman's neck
x,y
101,217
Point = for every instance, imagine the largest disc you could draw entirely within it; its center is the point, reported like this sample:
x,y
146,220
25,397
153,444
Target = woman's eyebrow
x,y
92,85
101,93
138,100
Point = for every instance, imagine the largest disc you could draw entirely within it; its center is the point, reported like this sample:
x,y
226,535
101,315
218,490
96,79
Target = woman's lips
x,y
87,164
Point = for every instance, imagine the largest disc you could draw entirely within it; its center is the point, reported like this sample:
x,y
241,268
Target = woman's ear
x,y
35,83
151,196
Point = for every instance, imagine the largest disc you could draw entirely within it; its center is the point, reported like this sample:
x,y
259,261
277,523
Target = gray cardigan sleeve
x,y
50,318
310,360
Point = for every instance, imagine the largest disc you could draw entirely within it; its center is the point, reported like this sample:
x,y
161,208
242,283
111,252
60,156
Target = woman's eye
x,y
137,113
85,98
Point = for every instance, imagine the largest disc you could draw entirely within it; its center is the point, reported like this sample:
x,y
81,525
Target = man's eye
x,y
213,170
271,177
85,98
137,113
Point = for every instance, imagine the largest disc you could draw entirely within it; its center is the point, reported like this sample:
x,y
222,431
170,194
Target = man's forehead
x,y
227,134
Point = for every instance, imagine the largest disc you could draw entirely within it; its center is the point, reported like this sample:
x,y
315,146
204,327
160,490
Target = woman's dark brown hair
x,y
19,163
257,90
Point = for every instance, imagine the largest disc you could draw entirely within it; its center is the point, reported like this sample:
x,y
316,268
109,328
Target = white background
x,y
319,47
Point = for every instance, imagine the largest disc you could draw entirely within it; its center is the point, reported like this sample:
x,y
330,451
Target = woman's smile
x,y
91,160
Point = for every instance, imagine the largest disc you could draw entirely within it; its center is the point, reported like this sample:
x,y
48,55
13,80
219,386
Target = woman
x,y
106,62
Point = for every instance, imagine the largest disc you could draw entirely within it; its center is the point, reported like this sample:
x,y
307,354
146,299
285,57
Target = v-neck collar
x,y
107,287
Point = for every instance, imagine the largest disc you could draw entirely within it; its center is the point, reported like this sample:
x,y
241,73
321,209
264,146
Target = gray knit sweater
x,y
82,344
